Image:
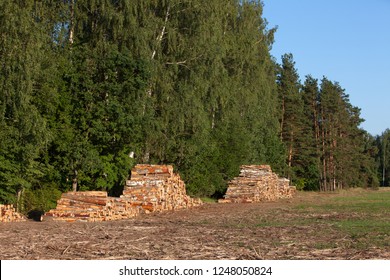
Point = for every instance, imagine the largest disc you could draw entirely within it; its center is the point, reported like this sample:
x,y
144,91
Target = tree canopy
x,y
88,88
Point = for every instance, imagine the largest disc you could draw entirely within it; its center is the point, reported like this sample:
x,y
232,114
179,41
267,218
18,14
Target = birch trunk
x,y
71,23
75,181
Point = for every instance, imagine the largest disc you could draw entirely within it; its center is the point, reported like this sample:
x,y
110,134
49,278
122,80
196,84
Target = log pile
x,y
91,206
257,183
152,188
8,214
157,188
285,190
83,206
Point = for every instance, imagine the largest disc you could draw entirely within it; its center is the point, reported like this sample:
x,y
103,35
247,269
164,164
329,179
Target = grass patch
x,y
362,202
357,220
325,245
209,200
364,216
303,221
360,227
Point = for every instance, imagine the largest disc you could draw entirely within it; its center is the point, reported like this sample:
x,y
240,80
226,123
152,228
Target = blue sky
x,y
347,41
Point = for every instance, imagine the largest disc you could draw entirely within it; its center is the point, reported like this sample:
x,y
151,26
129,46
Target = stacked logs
x,y
257,183
285,190
152,188
83,206
8,214
91,206
157,188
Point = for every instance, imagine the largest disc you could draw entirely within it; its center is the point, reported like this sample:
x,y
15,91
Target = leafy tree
x,y
24,134
102,111
89,88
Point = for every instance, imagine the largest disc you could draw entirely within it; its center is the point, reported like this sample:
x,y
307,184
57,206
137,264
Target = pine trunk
x,y
282,119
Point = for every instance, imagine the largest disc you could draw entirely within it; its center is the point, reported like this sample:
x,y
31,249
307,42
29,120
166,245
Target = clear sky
x,y
347,41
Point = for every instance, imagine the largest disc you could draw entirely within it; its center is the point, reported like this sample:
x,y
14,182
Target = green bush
x,y
42,199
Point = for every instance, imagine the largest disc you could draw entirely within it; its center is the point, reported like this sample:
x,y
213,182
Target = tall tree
x,y
382,145
291,115
24,134
344,150
310,143
102,104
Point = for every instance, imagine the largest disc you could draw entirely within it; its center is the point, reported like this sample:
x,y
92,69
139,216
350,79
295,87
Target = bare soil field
x,y
346,225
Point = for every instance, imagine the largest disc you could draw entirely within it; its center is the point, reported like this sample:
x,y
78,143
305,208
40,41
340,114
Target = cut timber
x,y
152,188
88,194
92,199
157,188
8,214
257,183
91,206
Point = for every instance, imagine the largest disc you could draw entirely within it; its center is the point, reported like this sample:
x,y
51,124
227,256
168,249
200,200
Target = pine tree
x,y
87,84
382,157
345,155
291,115
310,142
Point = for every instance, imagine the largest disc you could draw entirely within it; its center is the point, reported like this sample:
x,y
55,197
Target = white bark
x,y
161,35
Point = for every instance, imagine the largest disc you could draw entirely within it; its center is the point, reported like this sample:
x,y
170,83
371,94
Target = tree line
x,y
88,88
326,148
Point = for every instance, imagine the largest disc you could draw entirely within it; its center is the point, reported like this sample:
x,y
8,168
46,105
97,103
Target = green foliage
x,y
326,149
292,118
42,199
84,84
379,148
361,214
24,134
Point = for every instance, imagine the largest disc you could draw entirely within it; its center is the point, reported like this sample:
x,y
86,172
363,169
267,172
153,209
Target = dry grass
x,y
345,225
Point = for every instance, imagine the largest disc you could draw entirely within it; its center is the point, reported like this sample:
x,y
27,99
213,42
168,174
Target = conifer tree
x,y
291,115
382,157
344,152
310,151
86,84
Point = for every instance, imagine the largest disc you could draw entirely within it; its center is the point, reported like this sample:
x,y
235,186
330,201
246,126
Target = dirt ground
x,y
212,231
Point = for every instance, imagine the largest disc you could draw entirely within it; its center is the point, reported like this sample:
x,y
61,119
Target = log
x,y
89,193
9,214
84,198
145,169
152,188
169,192
257,183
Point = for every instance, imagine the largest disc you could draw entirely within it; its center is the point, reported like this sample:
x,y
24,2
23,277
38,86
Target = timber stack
x,y
152,188
8,214
257,183
156,188
91,206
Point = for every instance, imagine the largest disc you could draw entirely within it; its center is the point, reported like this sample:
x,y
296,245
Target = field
x,y
344,225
